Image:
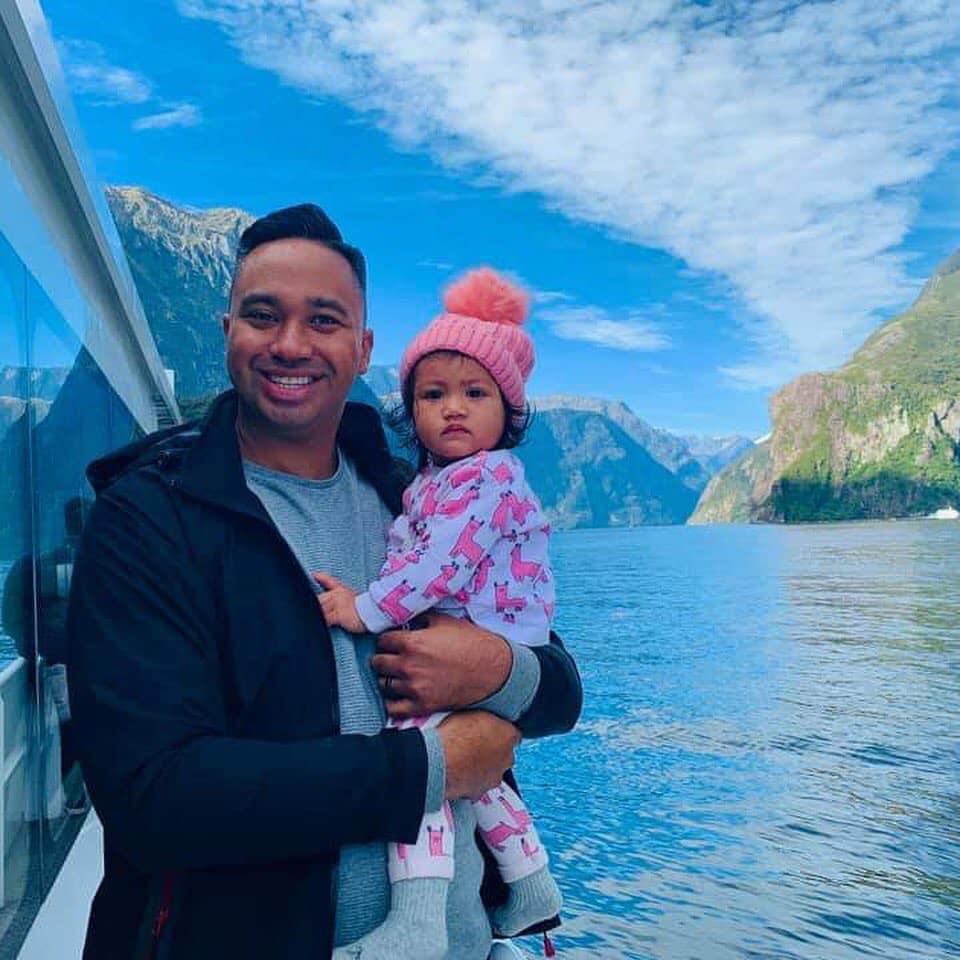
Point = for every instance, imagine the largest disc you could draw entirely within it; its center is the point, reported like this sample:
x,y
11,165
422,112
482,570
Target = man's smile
x,y
286,387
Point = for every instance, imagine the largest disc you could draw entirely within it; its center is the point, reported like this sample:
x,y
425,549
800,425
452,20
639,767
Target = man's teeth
x,y
290,381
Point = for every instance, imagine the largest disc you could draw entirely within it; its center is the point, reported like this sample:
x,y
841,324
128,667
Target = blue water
x,y
768,764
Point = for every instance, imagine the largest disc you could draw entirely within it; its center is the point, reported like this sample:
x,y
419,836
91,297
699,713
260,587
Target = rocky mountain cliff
x,y
181,261
594,463
878,438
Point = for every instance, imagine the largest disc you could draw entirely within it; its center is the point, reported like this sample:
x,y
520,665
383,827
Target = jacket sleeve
x,y
556,705
173,787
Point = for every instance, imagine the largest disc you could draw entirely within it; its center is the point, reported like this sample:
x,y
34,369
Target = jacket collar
x,y
212,469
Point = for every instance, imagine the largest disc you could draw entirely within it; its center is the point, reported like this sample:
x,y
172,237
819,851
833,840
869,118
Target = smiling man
x,y
233,746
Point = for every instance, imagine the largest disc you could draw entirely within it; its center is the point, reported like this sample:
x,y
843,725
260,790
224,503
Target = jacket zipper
x,y
163,911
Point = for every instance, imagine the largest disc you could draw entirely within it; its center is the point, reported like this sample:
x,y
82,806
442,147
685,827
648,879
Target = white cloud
x,y
89,73
179,115
544,297
778,144
593,324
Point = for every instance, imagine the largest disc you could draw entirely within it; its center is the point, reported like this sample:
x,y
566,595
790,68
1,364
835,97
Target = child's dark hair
x,y
516,420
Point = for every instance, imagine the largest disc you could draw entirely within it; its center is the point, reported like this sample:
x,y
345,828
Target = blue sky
x,y
705,200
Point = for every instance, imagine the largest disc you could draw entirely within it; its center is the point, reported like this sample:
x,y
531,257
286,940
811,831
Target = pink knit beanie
x,y
482,318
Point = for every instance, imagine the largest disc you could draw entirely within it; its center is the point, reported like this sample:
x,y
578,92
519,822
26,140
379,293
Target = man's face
x,y
295,337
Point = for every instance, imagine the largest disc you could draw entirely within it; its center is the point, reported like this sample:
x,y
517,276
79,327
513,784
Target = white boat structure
x,y
945,513
79,374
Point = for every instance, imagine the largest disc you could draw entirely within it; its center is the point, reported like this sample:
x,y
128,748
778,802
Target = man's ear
x,y
366,348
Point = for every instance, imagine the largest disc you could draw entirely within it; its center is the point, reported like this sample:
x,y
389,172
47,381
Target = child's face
x,y
457,408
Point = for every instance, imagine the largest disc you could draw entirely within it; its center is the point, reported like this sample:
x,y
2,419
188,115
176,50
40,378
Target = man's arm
x,y
453,663
174,789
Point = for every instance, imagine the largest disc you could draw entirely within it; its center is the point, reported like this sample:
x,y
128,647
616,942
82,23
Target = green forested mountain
x,y
878,438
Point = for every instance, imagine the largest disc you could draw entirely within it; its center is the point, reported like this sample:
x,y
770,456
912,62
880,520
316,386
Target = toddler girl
x,y
471,542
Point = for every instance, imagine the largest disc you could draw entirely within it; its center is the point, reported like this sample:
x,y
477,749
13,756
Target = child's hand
x,y
338,603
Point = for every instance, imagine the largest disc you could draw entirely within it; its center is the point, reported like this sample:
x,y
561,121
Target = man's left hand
x,y
448,665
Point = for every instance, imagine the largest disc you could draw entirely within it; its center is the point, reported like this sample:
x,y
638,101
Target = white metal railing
x,y
14,745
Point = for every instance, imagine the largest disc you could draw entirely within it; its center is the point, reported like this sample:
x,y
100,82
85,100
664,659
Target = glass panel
x,y
18,832
57,413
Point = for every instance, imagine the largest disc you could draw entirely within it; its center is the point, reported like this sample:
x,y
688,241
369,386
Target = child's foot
x,y
415,928
532,899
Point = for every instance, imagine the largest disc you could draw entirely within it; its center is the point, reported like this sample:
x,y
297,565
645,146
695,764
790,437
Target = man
x,y
231,743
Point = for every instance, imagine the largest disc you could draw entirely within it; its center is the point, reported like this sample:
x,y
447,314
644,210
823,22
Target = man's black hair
x,y
306,221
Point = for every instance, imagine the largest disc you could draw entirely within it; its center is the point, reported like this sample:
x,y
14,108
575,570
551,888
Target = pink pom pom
x,y
486,295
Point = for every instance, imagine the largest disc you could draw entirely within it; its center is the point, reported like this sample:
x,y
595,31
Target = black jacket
x,y
205,703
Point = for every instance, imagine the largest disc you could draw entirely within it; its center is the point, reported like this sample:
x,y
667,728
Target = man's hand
x,y
448,665
478,750
339,604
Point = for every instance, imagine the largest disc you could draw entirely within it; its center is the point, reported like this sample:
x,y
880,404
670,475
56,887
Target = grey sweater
x,y
339,526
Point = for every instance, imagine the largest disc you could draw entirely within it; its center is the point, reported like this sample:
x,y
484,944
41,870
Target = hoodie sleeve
x,y
173,786
459,528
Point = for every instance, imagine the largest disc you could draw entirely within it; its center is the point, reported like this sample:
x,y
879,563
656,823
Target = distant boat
x,y
946,513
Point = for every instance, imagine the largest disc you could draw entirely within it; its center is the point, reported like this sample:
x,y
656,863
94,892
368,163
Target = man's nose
x,y
290,342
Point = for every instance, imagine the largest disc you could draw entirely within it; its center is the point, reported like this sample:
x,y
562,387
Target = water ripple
x,y
768,761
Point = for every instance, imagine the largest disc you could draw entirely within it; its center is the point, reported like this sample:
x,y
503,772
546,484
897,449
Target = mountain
x,y
715,453
384,381
44,383
693,459
878,438
589,472
595,463
181,261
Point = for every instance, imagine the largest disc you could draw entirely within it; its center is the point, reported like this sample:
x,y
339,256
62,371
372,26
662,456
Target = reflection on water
x,y
769,761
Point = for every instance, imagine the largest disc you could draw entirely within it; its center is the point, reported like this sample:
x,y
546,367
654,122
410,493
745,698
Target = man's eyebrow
x,y
325,303
258,296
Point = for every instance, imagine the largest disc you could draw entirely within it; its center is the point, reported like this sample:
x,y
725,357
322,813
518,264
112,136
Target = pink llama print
x,y
436,840
506,603
456,508
466,546
429,507
497,837
502,473
397,562
466,474
392,603
500,519
438,587
521,569
549,608
481,574
522,509
529,849
521,818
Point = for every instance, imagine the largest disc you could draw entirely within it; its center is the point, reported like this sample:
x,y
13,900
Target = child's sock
x,y
415,928
533,898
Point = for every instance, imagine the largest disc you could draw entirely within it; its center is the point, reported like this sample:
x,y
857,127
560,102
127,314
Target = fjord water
x,y
768,764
